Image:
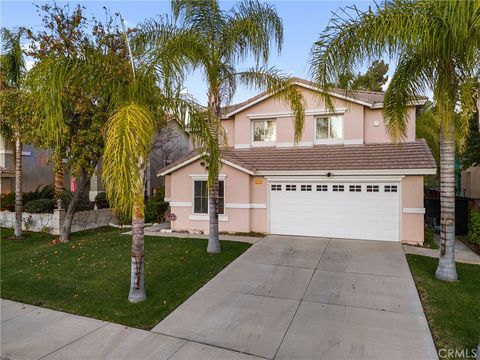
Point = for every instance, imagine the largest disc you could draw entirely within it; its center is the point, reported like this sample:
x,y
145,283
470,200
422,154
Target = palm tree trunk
x,y
72,205
18,187
446,265
213,246
137,278
59,174
213,236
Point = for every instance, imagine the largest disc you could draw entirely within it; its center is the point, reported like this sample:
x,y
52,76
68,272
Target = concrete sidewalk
x,y
463,253
31,332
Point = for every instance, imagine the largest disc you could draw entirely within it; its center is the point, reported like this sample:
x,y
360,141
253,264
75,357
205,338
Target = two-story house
x,y
346,178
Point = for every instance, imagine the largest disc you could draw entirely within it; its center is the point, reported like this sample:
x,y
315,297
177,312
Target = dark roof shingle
x,y
384,156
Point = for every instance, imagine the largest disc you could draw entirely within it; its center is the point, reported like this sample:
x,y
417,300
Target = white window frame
x,y
329,140
204,178
264,142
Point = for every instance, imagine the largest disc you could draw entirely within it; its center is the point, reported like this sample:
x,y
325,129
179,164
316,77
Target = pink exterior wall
x,y
379,134
237,192
412,198
359,121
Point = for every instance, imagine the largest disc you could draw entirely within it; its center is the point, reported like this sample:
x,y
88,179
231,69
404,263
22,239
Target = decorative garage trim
x,y
335,179
204,217
181,203
246,205
414,210
334,173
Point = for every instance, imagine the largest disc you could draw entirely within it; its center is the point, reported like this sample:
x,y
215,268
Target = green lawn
x,y
90,275
452,308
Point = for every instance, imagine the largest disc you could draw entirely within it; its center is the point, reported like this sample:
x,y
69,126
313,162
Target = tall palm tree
x,y
216,42
13,73
437,45
143,102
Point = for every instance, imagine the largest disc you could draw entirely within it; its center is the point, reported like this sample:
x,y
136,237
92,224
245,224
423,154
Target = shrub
x,y
67,195
102,201
40,206
154,209
475,221
8,201
46,192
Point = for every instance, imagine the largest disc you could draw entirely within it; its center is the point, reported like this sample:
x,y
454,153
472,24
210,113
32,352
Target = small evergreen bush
x,y
39,206
102,201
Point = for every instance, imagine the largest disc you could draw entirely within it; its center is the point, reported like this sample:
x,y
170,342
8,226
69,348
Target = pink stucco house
x,y
345,179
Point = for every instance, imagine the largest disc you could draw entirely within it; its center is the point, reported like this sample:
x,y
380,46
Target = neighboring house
x,y
170,144
345,179
36,167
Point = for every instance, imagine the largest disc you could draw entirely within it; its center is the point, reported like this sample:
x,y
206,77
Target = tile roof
x,y
385,156
370,97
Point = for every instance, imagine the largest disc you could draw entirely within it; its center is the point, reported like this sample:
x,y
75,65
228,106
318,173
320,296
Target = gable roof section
x,y
412,156
371,99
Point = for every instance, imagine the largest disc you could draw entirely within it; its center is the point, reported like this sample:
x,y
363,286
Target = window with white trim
x,y
329,127
372,188
390,188
306,188
289,187
200,197
322,187
355,188
276,187
264,131
338,188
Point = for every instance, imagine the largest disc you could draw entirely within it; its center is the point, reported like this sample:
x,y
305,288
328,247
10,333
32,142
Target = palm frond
x,y
128,141
251,28
12,60
282,87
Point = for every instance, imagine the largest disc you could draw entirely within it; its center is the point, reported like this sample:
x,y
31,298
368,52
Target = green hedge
x,y
475,223
46,192
40,206
102,201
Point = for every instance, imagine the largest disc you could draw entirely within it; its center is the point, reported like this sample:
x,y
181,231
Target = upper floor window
x,y
329,127
264,131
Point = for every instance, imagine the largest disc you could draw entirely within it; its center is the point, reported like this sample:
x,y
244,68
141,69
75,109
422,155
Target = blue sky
x,y
303,21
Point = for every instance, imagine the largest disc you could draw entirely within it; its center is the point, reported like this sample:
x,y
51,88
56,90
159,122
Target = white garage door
x,y
351,210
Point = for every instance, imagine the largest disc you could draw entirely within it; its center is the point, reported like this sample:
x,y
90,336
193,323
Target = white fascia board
x,y
182,164
195,158
238,167
246,106
429,171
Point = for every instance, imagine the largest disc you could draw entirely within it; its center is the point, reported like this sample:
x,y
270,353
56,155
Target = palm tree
x,y
13,72
143,102
437,44
216,42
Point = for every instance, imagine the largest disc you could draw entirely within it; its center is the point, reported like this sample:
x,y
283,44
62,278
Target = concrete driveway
x,y
308,298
